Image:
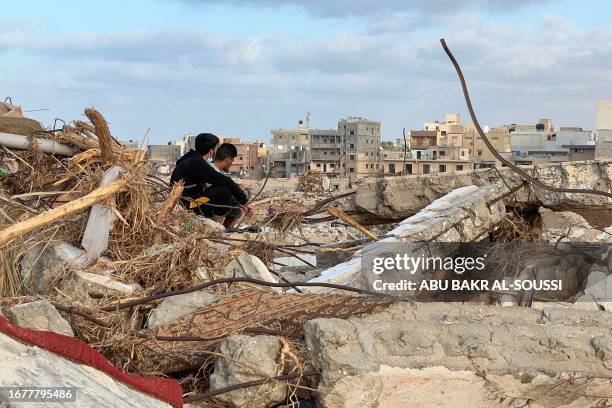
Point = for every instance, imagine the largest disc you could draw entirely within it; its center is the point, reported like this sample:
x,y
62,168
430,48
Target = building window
x,y
318,164
426,169
352,133
442,153
351,146
351,169
391,168
462,153
443,168
351,157
459,167
480,152
409,168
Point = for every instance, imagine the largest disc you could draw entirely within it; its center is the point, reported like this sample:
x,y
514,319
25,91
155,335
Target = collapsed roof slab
x,y
398,197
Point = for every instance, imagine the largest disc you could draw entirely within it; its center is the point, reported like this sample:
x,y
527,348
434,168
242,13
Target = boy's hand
x,y
248,210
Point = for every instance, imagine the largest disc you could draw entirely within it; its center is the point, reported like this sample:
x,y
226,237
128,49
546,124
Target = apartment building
x,y
393,163
166,154
450,132
423,139
603,132
326,151
290,151
361,146
541,143
351,150
130,144
478,151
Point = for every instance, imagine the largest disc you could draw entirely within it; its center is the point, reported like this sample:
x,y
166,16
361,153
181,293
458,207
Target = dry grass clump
x,y
285,221
518,228
170,266
261,249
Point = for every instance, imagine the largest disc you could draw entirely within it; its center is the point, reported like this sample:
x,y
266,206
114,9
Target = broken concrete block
x,y
463,215
202,274
400,197
173,307
439,346
247,358
39,315
24,364
560,219
211,225
250,266
566,226
598,290
44,265
89,287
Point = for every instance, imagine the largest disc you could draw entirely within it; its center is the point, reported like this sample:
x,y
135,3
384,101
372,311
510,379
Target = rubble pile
x,y
94,249
312,182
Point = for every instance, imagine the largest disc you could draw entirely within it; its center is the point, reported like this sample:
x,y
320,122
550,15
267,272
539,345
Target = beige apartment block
x,y
394,165
604,114
478,151
361,139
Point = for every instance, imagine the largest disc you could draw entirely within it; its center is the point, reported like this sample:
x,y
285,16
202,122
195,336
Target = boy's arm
x,y
212,176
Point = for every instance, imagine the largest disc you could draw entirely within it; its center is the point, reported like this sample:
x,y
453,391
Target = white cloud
x,y
339,8
178,80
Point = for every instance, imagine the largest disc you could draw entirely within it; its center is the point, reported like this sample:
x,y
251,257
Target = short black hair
x,y
205,142
226,150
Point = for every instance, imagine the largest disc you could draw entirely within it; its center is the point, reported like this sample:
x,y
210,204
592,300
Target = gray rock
x,y
39,315
173,307
427,348
46,263
202,274
566,226
80,286
211,225
561,219
247,359
598,290
250,266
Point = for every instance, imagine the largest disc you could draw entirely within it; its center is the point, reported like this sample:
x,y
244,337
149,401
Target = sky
x,y
242,67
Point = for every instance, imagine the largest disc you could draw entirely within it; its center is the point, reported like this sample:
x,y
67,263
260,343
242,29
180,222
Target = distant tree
x,y
387,145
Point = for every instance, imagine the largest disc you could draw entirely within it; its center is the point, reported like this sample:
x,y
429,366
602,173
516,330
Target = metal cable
x,y
495,153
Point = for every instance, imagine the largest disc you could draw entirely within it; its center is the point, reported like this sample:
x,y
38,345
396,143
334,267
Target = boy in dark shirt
x,y
193,168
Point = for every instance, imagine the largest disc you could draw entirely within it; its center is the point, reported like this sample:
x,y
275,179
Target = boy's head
x,y
224,157
205,143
